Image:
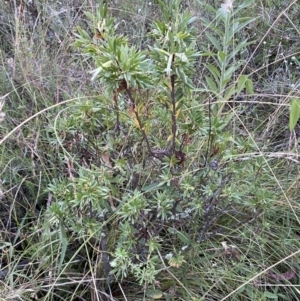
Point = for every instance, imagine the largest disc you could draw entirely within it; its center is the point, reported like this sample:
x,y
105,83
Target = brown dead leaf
x,y
111,202
131,110
105,157
287,275
230,251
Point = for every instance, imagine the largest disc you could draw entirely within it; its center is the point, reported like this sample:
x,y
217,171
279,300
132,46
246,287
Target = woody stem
x,y
139,121
174,125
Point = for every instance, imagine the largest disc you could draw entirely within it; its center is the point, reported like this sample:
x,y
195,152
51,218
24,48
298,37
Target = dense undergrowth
x,y
146,151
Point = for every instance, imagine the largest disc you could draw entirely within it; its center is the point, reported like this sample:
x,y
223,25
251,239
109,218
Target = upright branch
x,y
156,153
174,126
132,103
122,87
116,107
121,67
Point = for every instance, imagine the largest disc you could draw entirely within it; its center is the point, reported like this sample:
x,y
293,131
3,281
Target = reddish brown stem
x,y
174,125
139,120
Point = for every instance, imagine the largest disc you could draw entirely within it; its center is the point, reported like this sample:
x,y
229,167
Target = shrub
x,y
152,168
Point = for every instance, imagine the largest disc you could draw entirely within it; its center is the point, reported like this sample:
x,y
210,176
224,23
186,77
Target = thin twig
x,y
139,120
116,107
174,125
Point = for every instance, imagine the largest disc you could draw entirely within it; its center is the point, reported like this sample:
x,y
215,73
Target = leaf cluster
x,y
145,199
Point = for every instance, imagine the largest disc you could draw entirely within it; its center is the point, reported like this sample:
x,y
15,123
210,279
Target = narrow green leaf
x,y
96,73
270,295
191,20
208,53
238,48
189,84
211,84
225,82
240,26
214,41
115,45
221,56
89,15
181,74
245,4
241,83
64,245
229,92
249,86
83,33
228,72
4,245
161,51
152,187
105,10
214,71
283,297
294,113
184,237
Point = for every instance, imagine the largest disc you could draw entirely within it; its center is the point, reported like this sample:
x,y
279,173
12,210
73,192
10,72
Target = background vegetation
x,y
172,174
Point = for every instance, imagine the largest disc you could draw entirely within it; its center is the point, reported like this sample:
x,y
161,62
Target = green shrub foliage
x,y
152,169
